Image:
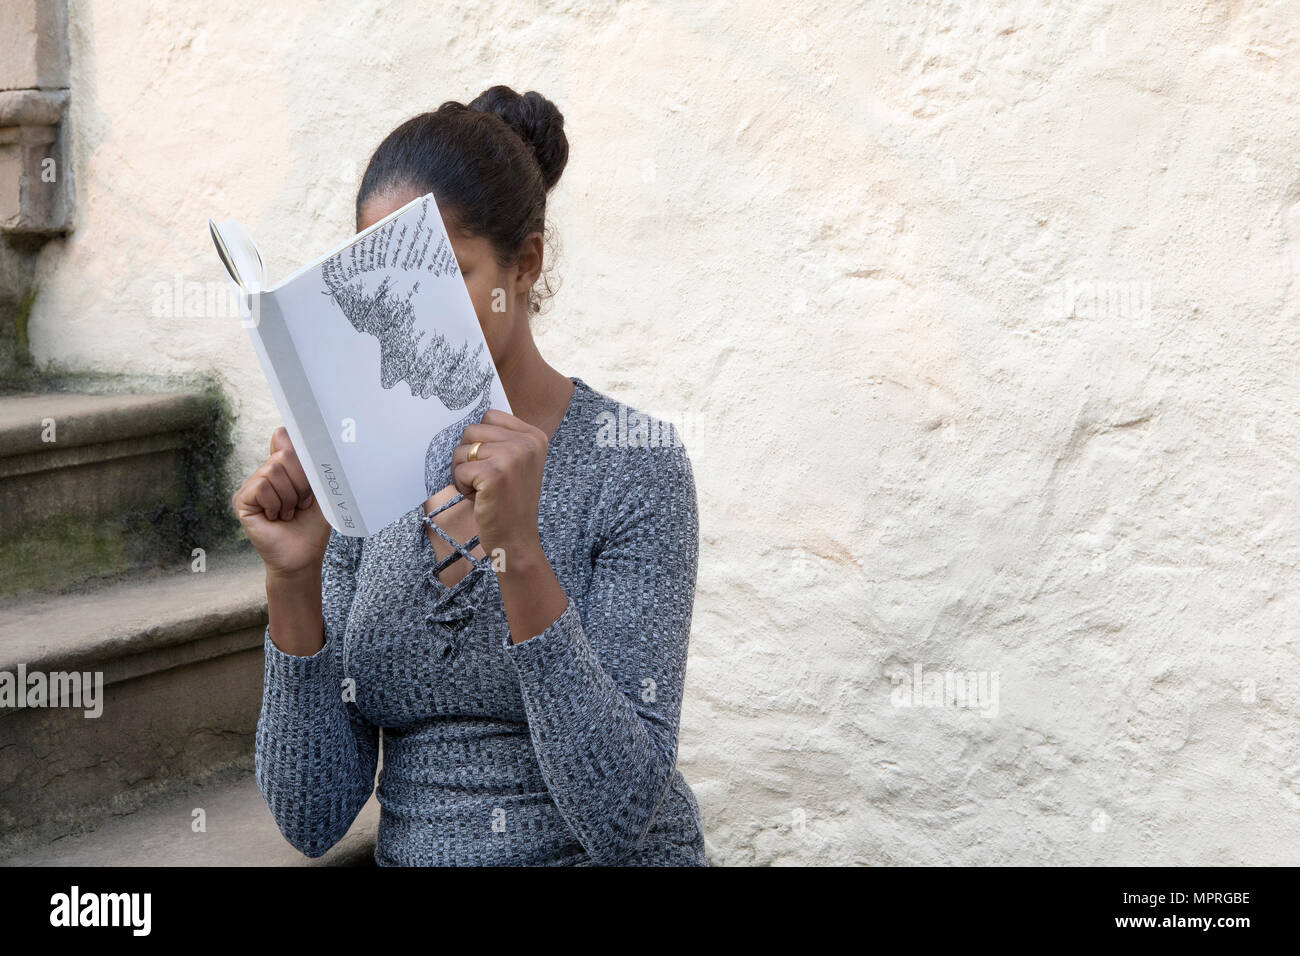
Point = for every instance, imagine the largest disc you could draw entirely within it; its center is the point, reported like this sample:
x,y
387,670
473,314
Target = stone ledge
x,y
240,832
32,107
150,623
82,420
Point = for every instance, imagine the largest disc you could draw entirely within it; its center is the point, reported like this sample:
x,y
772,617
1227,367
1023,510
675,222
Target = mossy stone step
x,y
94,484
175,669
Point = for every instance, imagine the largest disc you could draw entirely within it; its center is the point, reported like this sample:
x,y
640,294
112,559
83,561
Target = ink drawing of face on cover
x,y
376,285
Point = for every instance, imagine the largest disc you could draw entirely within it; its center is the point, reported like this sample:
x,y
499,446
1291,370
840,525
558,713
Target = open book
x,y
376,360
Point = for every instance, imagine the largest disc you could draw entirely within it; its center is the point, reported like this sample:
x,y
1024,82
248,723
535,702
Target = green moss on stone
x,y
204,518
62,551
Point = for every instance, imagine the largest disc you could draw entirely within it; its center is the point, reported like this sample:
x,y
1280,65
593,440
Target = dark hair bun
x,y
537,120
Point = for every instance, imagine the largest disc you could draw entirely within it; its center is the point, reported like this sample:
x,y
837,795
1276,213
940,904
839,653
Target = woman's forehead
x,y
468,247
382,204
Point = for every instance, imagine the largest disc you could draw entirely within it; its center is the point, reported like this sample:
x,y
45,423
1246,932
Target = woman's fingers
x,y
501,452
280,440
271,491
283,454
498,440
278,477
486,433
494,416
243,501
468,476
293,471
257,495
460,454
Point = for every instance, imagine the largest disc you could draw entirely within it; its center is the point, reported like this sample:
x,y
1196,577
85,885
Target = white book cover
x,y
375,358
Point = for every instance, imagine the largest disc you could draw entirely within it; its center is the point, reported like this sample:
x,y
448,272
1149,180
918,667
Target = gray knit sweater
x,y
560,750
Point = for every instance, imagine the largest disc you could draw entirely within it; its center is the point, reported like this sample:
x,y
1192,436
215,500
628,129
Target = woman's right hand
x,y
279,514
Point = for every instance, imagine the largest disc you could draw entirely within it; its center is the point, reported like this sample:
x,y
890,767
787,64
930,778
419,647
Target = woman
x,y
528,701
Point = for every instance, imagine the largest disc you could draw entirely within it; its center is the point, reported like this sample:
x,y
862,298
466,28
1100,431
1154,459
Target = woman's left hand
x,y
504,481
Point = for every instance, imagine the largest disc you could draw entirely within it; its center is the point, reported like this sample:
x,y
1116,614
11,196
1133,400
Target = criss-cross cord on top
x,y
458,551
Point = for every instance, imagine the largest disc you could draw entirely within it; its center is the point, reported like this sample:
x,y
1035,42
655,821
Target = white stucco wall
x,y
870,257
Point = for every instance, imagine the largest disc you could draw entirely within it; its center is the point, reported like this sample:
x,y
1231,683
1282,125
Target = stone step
x,y
181,664
93,484
238,830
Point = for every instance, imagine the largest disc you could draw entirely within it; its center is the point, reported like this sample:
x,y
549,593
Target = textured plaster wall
x,y
980,320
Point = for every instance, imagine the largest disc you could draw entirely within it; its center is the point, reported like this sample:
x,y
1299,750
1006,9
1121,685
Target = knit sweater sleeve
x,y
315,754
602,685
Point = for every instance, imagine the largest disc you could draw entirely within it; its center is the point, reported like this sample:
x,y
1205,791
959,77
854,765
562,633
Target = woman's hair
x,y
489,165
